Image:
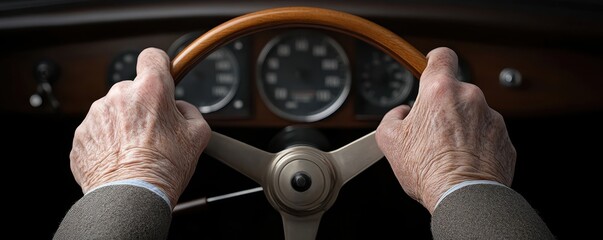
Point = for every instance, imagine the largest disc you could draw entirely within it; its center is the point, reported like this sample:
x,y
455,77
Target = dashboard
x,y
299,75
538,64
273,78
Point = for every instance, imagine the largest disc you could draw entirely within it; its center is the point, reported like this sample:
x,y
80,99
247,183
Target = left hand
x,y
139,131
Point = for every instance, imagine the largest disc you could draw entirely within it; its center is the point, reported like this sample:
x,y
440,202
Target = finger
x,y
154,65
188,110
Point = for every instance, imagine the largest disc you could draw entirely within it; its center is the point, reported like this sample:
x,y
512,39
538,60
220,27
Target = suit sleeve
x,y
487,211
117,212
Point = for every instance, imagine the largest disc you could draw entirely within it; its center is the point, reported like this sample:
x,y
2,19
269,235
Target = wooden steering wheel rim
x,y
311,17
300,221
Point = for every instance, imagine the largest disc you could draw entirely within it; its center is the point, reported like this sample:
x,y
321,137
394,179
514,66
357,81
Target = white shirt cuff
x,y
464,184
138,183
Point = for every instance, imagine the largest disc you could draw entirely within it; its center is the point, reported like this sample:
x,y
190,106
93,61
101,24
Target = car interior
x,y
315,75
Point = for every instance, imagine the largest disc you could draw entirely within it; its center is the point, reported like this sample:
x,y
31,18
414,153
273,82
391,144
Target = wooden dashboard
x,y
559,65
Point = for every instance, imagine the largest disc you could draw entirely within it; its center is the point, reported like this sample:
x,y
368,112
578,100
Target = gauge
x,y
382,80
213,82
303,75
123,67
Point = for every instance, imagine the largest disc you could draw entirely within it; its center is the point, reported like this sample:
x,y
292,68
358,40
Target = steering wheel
x,y
301,182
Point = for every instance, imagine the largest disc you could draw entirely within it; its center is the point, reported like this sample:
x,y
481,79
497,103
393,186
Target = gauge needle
x,y
202,202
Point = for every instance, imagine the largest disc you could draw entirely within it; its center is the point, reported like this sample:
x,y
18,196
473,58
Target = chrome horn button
x,y
303,181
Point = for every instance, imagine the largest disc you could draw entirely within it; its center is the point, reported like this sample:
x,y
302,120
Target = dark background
x,y
554,119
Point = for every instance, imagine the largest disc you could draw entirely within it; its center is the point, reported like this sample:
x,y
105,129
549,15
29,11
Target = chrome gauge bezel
x,y
325,111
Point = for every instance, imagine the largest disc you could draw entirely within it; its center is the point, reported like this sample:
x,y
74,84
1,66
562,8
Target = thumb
x,y
388,129
188,110
396,114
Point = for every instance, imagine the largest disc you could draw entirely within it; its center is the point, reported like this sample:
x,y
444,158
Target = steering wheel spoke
x,y
355,157
301,228
250,161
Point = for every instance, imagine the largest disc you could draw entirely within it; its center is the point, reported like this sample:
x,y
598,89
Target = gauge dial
x,y
383,81
213,82
123,67
303,75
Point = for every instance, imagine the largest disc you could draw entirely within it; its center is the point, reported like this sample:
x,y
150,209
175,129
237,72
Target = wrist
x,y
139,183
462,185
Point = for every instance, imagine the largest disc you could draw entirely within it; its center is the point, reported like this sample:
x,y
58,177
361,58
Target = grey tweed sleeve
x,y
486,211
117,212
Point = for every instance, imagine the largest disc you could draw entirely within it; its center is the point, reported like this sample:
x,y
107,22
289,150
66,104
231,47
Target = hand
x,y
449,136
139,131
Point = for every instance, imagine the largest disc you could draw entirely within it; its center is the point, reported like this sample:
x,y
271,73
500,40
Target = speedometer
x,y
303,75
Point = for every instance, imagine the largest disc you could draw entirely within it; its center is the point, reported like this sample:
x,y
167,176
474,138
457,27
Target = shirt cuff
x,y
137,183
464,184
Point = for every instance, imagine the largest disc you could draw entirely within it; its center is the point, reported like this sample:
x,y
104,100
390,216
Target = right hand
x,y
451,135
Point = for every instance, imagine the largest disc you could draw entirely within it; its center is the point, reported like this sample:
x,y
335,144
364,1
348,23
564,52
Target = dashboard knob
x,y
510,77
46,72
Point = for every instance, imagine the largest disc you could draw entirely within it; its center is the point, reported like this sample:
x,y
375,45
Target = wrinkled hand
x,y
139,131
451,135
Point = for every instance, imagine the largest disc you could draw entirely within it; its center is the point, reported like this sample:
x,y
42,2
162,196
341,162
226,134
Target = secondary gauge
x,y
213,82
382,80
303,75
123,67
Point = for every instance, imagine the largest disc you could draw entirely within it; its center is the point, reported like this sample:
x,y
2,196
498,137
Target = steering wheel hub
x,y
302,179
